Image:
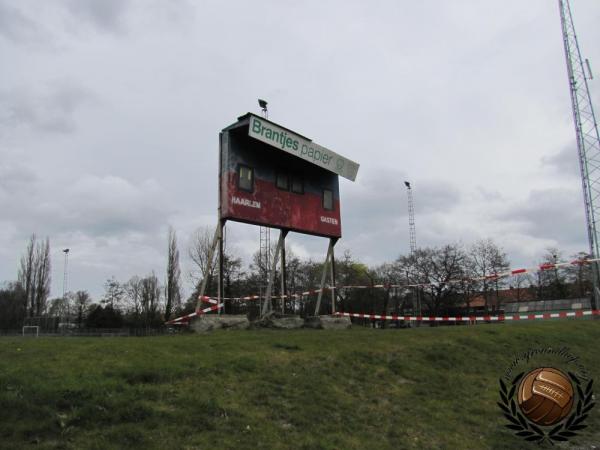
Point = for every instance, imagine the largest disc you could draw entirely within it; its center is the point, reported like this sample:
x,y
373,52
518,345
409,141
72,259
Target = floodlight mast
x,y
263,104
586,130
411,219
65,280
65,275
413,240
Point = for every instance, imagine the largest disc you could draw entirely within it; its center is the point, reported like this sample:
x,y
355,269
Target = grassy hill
x,y
357,389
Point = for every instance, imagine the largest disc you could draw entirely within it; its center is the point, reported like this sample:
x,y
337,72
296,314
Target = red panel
x,y
274,207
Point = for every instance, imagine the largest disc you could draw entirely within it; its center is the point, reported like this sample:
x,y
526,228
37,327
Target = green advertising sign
x,y
289,142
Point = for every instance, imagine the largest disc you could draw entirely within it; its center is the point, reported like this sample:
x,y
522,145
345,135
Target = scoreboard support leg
x,y
329,266
334,290
266,306
220,286
283,273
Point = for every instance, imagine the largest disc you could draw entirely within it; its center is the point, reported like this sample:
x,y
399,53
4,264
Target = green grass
x,y
306,389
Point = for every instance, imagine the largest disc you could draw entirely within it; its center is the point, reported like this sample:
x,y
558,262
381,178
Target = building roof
x,y
510,295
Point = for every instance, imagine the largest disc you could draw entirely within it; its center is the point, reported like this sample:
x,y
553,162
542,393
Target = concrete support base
x,y
279,321
328,322
213,322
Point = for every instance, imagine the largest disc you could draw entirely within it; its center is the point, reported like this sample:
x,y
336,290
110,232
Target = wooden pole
x,y
326,269
221,268
283,272
333,286
267,302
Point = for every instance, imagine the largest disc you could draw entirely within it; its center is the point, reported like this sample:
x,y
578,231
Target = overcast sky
x,y
110,112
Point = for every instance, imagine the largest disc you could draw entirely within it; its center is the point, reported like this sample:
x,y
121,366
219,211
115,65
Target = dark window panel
x,y
328,199
297,185
246,178
283,182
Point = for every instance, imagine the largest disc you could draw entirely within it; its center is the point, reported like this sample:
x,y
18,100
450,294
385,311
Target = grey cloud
x,y
15,178
107,15
94,259
95,206
565,162
17,27
382,193
489,195
112,205
52,110
554,214
435,196
33,23
375,194
378,204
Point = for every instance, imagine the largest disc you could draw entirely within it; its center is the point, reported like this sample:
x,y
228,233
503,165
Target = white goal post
x,y
31,328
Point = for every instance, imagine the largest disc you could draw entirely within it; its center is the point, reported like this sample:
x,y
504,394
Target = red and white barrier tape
x,y
394,317
187,317
258,297
543,267
499,318
512,272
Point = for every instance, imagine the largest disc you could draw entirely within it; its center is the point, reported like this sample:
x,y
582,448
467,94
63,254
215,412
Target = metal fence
x,y
546,306
95,332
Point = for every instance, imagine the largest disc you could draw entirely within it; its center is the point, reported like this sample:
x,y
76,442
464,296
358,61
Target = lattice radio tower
x,y
586,129
411,219
264,253
265,249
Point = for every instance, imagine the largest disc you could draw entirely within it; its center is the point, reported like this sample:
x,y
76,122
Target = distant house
x,y
497,302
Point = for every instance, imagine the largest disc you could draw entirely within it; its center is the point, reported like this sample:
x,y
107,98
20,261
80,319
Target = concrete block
x,y
215,322
328,322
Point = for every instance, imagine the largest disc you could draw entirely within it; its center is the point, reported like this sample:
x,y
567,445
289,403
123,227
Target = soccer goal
x,y
31,330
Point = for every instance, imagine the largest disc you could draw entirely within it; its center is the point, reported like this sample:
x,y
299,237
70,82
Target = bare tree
x,y
82,301
11,305
113,293
34,276
133,293
61,306
389,273
42,277
521,282
292,265
26,276
172,288
551,281
199,252
150,299
579,275
437,268
57,306
485,261
261,266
